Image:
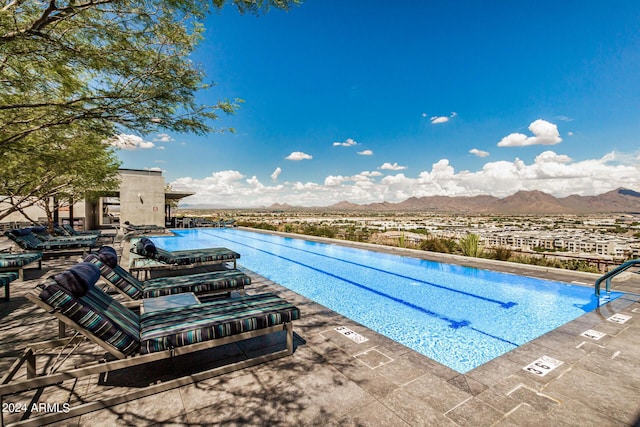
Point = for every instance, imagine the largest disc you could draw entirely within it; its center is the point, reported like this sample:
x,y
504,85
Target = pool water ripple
x,y
459,316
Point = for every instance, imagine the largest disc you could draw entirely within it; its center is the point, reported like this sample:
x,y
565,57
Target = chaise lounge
x,y
201,284
17,262
28,240
140,339
146,248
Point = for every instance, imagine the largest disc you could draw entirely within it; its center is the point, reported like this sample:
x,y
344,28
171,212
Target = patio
x,y
332,380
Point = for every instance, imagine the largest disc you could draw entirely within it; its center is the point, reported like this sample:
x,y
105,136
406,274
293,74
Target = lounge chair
x,y
146,248
17,262
68,230
201,284
139,339
26,239
146,228
6,278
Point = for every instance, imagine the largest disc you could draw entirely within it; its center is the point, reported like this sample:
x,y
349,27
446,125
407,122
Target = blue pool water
x,y
459,316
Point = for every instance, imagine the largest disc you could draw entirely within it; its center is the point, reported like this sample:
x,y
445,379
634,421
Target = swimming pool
x,y
459,316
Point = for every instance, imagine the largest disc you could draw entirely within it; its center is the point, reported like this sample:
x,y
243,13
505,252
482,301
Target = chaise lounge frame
x,y
33,381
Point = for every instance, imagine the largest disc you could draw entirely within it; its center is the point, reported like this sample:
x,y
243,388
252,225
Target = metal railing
x,y
609,275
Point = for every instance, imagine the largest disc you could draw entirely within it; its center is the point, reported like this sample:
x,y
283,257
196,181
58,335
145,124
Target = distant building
x,y
141,199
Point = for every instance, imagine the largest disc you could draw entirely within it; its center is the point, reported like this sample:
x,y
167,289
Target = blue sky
x,y
371,101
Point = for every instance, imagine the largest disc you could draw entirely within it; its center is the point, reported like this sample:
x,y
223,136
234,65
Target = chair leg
x,y
31,365
289,328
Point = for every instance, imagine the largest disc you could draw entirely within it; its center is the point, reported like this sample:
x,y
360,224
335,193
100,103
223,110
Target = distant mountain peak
x,y
627,192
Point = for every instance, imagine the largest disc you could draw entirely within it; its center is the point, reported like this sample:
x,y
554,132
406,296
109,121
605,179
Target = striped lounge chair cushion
x,y
19,260
202,283
166,329
195,256
86,312
118,277
7,277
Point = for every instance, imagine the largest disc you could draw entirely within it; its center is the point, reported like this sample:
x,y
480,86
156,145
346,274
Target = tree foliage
x,y
74,73
65,167
470,245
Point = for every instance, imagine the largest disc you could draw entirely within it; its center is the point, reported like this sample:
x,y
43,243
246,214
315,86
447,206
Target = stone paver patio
x,y
331,380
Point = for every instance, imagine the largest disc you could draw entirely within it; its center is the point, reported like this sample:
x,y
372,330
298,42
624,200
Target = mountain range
x,y
621,200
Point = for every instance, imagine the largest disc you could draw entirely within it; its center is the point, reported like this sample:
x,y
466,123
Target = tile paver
x,y
330,380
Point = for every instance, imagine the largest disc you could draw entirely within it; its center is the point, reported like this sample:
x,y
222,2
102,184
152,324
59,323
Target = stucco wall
x,y
142,197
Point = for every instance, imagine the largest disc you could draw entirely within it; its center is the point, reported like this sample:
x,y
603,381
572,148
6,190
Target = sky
x,y
371,101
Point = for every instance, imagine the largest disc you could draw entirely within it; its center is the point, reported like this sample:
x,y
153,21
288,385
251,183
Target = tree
x,y
66,167
75,73
108,64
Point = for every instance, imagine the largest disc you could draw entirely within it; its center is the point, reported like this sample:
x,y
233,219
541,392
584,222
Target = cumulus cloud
x,y
570,133
129,142
392,167
442,119
154,169
163,137
347,143
551,172
544,133
479,153
276,173
365,153
370,173
299,155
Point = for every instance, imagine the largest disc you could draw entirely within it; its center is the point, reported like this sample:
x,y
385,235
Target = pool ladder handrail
x,y
609,275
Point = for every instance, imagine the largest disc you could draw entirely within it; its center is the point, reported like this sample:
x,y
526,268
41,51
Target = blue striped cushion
x,y
118,277
181,326
19,260
201,283
116,312
8,277
90,317
195,256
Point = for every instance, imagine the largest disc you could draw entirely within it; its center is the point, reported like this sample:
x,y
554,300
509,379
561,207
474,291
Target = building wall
x,y
142,201
141,197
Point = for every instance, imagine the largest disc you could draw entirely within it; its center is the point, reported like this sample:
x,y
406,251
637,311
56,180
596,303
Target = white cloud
x,y
299,186
479,153
570,133
348,143
154,169
298,155
365,153
332,181
276,173
545,133
163,137
425,115
442,119
129,142
551,172
392,167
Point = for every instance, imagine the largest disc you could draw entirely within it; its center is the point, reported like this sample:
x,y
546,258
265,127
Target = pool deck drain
x,y
333,380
